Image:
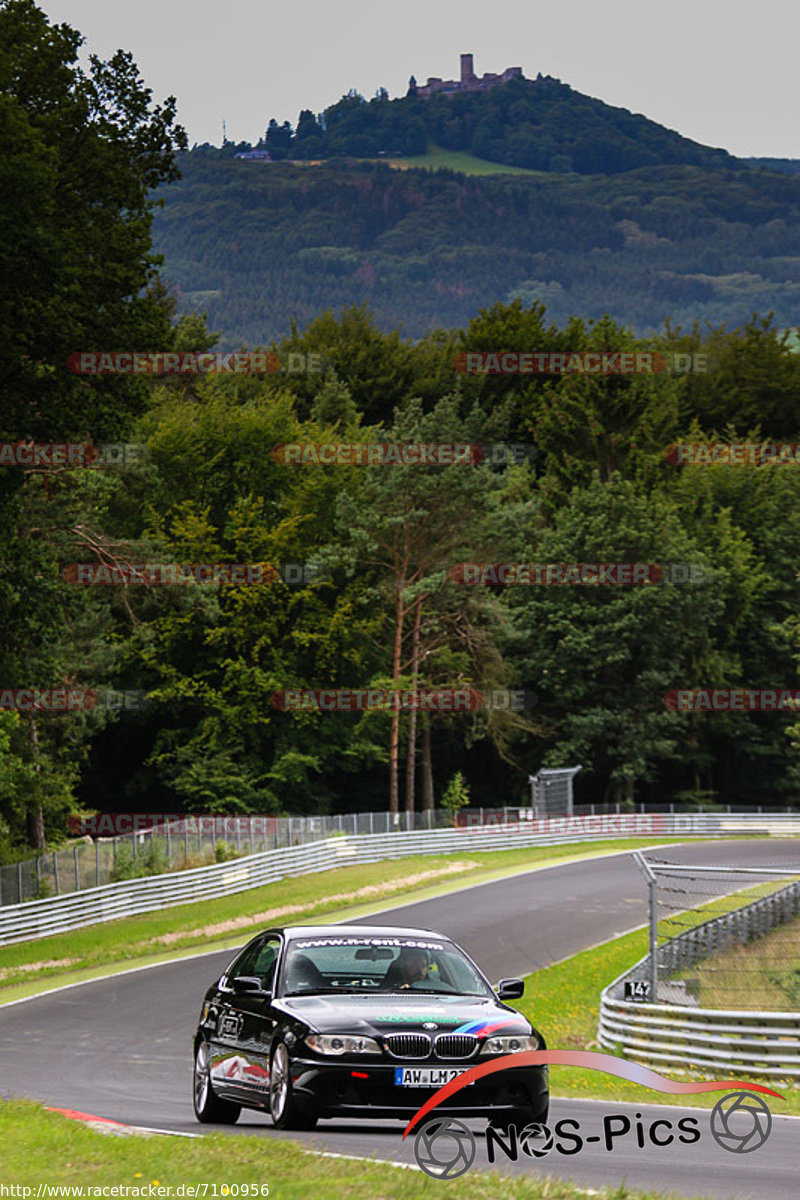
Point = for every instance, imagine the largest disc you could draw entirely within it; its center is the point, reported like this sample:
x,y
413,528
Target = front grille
x,y
455,1045
408,1045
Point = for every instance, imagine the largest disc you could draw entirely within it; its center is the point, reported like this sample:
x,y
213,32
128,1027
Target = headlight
x,y
509,1045
325,1043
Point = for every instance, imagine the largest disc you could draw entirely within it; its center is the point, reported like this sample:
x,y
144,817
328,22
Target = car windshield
x,y
331,965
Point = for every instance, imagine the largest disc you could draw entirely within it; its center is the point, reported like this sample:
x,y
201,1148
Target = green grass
x,y
28,967
563,1001
41,1147
459,160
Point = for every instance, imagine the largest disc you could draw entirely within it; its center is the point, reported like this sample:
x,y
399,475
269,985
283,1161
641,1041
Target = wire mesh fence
x,y
198,840
722,937
183,842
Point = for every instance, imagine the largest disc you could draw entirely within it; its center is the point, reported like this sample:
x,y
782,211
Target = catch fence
x,y
108,902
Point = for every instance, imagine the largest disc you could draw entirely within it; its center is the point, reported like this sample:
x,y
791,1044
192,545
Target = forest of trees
x,y
378,607
255,246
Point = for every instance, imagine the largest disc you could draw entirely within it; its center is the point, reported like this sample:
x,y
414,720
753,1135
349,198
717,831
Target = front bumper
x,y
360,1087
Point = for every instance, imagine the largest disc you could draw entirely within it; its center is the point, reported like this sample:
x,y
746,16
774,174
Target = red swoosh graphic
x,y
608,1063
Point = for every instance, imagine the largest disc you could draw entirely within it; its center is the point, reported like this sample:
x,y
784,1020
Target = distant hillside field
x,y
257,245
437,158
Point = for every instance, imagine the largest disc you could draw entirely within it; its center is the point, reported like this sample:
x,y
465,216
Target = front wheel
x,y
208,1107
282,1104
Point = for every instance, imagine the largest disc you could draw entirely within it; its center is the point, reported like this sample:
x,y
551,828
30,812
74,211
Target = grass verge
x,y
29,967
564,1002
40,1147
765,973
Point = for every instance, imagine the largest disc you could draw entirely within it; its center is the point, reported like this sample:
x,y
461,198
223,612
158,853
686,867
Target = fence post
x,y
97,863
652,887
169,848
39,872
371,822
55,873
19,880
77,874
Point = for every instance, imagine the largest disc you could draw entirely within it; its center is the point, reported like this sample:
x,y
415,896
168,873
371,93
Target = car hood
x,y
369,1015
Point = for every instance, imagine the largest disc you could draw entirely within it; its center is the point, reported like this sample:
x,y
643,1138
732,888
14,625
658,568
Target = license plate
x,y
425,1076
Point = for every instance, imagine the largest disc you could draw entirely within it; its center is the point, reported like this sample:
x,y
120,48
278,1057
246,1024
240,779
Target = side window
x,y
258,960
264,966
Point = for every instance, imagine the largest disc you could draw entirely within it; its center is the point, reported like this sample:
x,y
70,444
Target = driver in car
x,y
410,966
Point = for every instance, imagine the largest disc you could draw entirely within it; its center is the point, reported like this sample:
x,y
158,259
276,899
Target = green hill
x,y
540,124
257,245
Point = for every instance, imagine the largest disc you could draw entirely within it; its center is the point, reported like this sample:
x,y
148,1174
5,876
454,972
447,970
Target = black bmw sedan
x,y
316,1021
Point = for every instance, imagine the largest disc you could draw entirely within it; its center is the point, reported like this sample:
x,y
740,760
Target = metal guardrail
x,y
39,918
705,1039
664,1034
194,840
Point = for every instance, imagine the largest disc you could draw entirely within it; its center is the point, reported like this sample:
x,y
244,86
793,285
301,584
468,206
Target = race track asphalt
x,y
121,1047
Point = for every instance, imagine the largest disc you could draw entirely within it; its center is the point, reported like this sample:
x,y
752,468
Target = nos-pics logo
x,y
445,1147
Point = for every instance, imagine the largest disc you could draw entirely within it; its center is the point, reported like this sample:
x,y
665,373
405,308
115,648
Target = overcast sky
x,y
723,72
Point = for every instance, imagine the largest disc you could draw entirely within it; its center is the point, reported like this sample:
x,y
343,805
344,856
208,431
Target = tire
x,y
282,1104
208,1107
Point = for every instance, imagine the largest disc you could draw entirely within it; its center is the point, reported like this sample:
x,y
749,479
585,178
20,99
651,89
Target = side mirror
x,y
510,989
246,983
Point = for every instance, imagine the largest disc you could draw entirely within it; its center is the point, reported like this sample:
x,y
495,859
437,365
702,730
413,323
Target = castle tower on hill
x,y
469,81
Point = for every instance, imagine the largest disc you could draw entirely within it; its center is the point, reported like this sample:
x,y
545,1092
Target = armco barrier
x,y
706,1039
38,918
694,1038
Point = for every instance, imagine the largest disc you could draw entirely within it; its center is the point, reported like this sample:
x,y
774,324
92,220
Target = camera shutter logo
x,y
740,1122
444,1148
536,1130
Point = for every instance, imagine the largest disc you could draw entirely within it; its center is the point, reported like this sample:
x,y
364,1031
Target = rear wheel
x,y
282,1104
208,1107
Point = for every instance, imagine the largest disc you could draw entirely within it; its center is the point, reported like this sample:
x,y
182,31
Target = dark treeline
x,y
378,605
255,246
